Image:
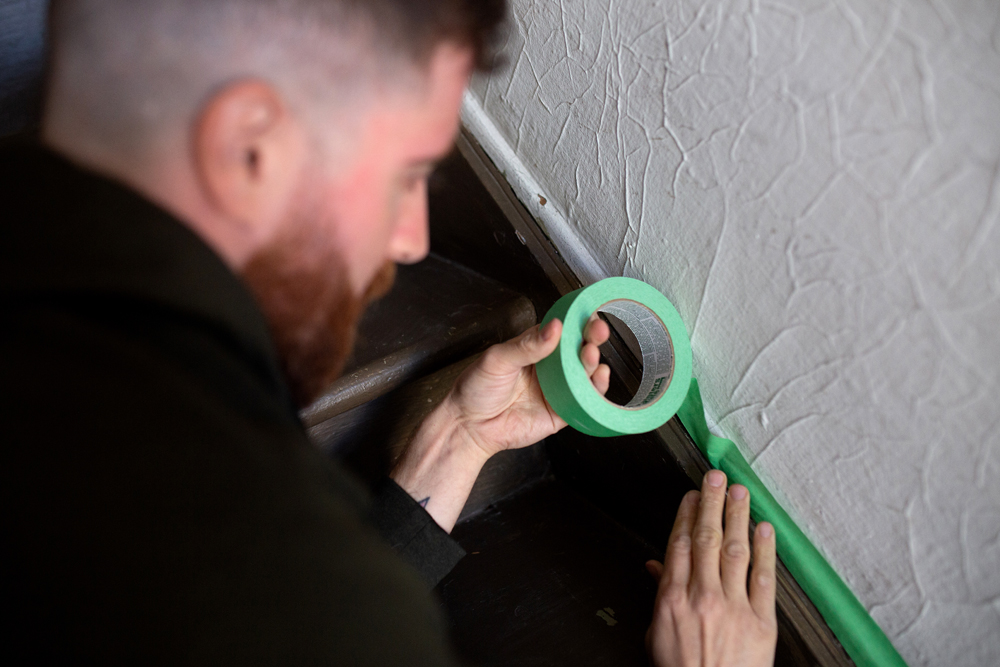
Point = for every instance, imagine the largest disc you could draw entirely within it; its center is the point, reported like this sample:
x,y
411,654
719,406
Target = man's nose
x,y
410,241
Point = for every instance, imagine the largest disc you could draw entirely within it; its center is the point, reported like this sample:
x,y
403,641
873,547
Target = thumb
x,y
529,348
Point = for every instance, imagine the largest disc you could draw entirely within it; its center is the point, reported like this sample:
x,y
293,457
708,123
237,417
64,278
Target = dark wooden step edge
x,y
397,368
798,610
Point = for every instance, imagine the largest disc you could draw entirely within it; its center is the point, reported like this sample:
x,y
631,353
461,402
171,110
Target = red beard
x,y
301,284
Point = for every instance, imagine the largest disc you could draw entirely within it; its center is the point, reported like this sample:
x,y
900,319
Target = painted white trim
x,y
577,255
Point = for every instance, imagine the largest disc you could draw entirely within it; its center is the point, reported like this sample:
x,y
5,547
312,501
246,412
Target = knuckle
x,y
707,604
708,538
753,625
681,545
493,354
492,363
764,579
769,626
737,551
748,625
674,596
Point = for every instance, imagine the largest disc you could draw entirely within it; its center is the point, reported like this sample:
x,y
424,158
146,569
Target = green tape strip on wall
x,y
860,635
667,388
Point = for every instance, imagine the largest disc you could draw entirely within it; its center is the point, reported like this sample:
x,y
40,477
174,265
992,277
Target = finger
x,y
597,331
762,582
677,564
706,539
601,379
590,356
655,569
529,348
736,543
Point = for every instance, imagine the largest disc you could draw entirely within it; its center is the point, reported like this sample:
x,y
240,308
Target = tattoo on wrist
x,y
423,503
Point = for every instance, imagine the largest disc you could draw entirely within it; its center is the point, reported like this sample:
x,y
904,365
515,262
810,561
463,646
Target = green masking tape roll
x,y
666,359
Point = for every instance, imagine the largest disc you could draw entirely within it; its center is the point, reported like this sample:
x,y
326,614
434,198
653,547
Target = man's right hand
x,y
703,614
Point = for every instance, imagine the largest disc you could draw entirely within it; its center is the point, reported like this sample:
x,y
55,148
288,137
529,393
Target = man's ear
x,y
248,153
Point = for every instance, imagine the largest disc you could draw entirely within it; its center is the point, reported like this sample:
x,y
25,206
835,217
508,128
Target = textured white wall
x,y
816,186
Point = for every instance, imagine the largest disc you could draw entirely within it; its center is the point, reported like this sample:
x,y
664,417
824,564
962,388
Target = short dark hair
x,y
415,26
419,25
132,68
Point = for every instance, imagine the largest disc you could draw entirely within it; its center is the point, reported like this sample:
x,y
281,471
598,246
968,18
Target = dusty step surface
x,y
437,313
549,580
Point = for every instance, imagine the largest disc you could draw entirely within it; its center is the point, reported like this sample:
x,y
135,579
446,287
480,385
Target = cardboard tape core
x,y
655,344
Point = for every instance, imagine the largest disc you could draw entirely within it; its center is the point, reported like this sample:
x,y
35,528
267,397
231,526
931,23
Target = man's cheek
x,y
355,226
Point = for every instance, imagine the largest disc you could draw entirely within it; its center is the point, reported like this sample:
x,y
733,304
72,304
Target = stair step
x,y
549,580
412,345
437,313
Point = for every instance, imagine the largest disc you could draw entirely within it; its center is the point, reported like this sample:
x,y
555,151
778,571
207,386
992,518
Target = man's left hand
x,y
496,404
498,400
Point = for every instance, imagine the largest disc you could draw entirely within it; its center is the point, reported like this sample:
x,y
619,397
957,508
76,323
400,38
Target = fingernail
x,y
738,492
548,329
766,530
716,478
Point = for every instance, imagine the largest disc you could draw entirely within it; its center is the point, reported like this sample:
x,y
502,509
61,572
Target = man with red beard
x,y
220,187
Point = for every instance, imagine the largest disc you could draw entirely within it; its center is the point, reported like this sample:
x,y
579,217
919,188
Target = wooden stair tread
x,y
549,580
438,312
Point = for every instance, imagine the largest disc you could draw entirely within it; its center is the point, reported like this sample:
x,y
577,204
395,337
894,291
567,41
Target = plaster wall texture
x,y
816,187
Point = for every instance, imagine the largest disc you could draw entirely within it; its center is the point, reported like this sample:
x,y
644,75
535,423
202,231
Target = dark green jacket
x,y
161,502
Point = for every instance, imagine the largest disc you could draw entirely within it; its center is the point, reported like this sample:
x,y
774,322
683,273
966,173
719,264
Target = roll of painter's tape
x,y
666,359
